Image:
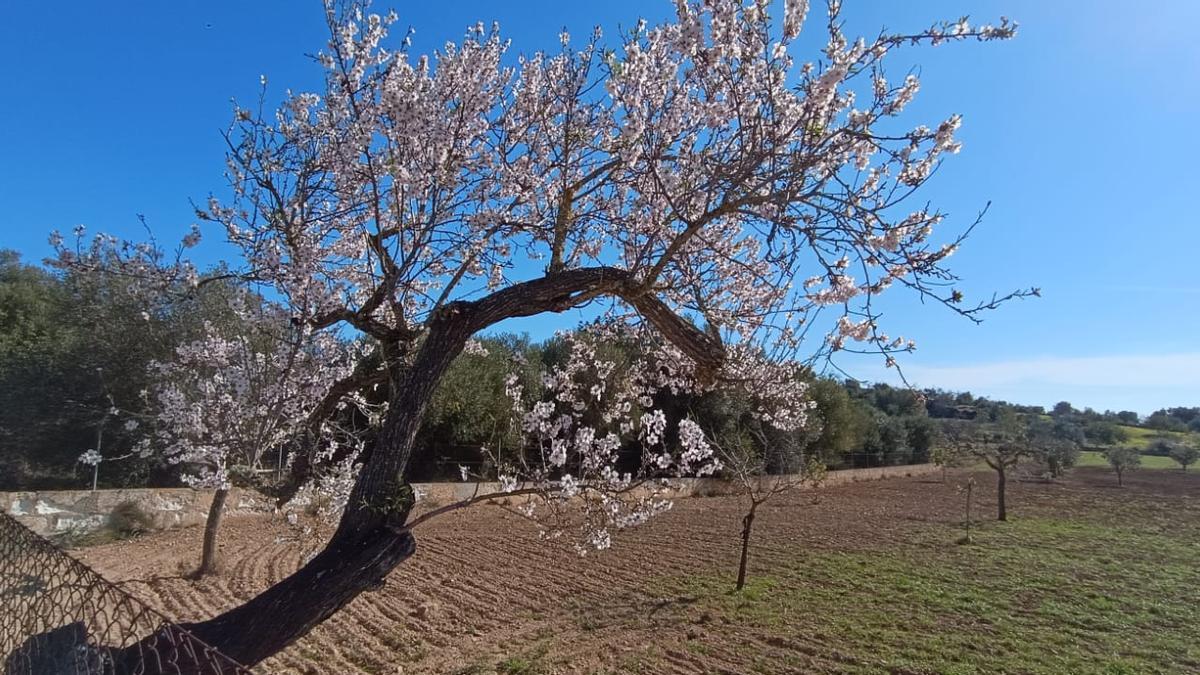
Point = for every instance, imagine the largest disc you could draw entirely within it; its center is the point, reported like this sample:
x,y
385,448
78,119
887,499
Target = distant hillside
x,y
1141,437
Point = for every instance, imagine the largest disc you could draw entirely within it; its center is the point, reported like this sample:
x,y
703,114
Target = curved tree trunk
x,y
208,555
1001,502
274,619
747,525
370,541
368,544
372,538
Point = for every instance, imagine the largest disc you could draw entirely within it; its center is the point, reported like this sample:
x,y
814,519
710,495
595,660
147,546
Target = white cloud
x,y
1140,382
1164,370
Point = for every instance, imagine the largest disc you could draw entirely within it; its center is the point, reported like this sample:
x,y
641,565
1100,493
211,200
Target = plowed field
x,y
867,577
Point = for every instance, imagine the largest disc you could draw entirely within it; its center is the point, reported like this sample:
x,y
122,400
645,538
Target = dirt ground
x,y
484,595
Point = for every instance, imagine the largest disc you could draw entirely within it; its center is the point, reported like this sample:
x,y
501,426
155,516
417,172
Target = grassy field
x,y
1103,587
1096,459
1037,596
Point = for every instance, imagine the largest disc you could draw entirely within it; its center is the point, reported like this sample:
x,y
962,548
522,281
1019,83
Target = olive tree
x,y
1122,458
1186,455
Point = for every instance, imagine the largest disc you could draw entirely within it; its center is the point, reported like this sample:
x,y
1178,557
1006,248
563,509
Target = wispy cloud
x,y
1141,382
1159,370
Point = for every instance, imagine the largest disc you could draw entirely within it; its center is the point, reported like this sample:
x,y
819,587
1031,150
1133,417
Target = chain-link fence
x,y
59,617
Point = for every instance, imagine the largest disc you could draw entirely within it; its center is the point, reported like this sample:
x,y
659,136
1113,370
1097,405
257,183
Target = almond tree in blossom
x,y
238,395
697,182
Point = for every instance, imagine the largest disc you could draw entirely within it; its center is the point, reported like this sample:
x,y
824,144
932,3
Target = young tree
x,y
760,461
1186,455
746,465
695,169
1122,459
234,397
967,489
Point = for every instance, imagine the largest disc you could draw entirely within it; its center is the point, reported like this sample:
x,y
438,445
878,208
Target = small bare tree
x,y
949,455
968,489
746,458
1001,447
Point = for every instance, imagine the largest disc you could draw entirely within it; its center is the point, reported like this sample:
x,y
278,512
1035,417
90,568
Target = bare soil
x,y
483,594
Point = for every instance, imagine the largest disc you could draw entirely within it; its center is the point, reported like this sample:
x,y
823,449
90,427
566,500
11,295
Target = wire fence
x,y
59,617
871,460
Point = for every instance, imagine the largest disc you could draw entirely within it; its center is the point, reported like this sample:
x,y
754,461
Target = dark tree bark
x,y
1001,485
747,526
274,619
208,555
371,538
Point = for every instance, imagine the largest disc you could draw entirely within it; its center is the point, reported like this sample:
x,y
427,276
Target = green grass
x,y
1092,458
531,662
1031,596
1141,438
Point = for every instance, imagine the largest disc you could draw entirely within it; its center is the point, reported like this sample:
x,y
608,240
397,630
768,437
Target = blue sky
x,y
1079,132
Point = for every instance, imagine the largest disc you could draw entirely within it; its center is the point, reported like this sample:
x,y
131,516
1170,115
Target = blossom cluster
x,y
240,394
599,453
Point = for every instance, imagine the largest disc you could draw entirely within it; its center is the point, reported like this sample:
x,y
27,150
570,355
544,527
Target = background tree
x,y
1062,409
1186,455
227,401
1001,447
1128,417
693,169
834,419
75,349
1163,420
952,452
888,446
470,409
921,434
1105,433
1122,459
1057,443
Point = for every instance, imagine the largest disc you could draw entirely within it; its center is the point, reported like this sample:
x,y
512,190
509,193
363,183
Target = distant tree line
x,y
75,355
74,371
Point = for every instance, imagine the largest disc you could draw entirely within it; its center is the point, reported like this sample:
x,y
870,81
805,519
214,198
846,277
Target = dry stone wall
x,y
60,511
56,512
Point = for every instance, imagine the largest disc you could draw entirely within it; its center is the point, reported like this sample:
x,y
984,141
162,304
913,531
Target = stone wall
x,y
54,512
59,511
440,494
